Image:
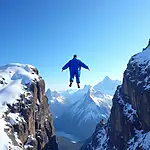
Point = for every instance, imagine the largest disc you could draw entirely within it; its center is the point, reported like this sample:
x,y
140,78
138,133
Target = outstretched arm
x,y
66,66
84,65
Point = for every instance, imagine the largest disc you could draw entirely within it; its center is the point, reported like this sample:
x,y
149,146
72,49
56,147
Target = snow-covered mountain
x,y
70,96
107,86
56,102
24,112
84,107
61,100
75,96
55,97
67,93
83,115
94,104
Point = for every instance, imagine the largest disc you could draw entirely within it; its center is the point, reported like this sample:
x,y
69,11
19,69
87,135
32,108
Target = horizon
x,y
76,89
104,35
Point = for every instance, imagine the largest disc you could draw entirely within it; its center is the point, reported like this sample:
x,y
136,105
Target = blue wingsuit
x,y
75,68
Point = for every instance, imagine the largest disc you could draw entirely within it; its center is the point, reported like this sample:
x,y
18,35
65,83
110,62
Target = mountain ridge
x,y
85,112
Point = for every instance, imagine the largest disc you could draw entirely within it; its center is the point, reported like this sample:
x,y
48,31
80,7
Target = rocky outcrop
x,y
32,125
129,123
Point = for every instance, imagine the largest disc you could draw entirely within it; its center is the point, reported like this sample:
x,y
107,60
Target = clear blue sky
x,y
103,33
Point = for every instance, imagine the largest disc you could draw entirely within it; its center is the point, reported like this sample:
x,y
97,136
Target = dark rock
x,y
1,82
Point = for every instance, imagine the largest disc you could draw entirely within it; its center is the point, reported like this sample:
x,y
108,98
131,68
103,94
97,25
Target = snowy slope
x,y
14,79
75,96
143,57
142,61
83,115
95,105
61,100
106,87
87,107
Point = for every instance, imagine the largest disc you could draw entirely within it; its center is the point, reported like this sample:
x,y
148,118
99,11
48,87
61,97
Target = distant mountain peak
x,y
106,78
85,113
87,86
107,86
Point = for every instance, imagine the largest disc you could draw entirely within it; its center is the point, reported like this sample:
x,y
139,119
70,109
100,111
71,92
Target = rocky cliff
x,y
28,121
129,123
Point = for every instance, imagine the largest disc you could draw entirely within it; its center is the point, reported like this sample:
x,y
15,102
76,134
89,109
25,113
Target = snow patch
x,y
102,140
30,142
15,118
140,140
129,112
143,57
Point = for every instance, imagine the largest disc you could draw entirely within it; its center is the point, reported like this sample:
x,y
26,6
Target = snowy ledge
x,y
143,57
139,65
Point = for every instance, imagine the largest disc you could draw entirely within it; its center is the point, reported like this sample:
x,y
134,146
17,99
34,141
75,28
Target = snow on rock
x,y
140,64
30,142
15,118
14,79
129,112
140,140
5,142
103,139
143,57
99,139
16,76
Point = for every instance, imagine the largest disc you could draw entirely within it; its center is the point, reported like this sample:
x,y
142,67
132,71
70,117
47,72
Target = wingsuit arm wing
x,y
66,66
83,65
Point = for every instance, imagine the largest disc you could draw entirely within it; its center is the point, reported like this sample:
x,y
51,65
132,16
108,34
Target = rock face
x,y
129,123
39,119
29,118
